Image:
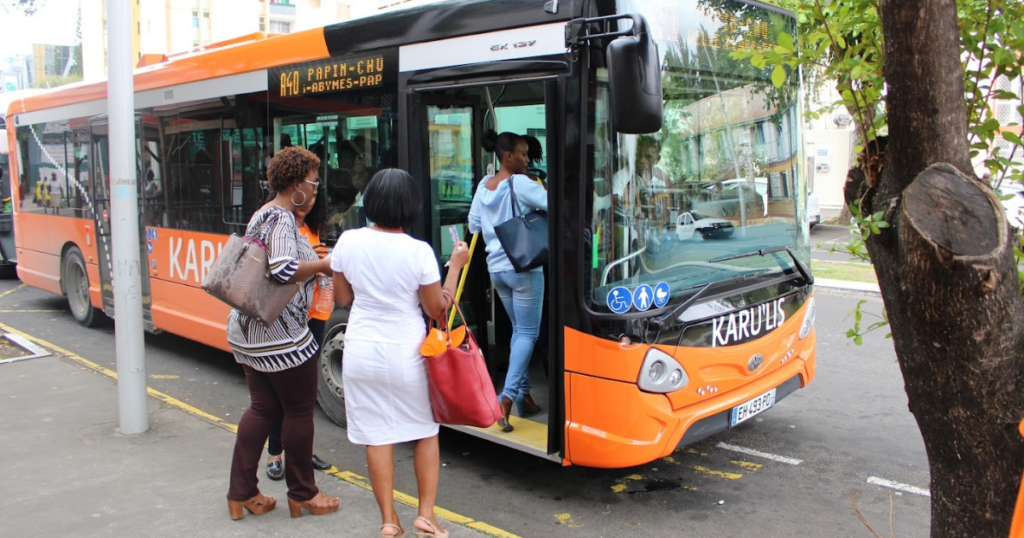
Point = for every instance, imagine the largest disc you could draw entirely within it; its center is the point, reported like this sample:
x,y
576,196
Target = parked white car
x,y
813,210
692,225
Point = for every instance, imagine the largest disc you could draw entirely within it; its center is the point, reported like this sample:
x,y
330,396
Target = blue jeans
x,y
522,295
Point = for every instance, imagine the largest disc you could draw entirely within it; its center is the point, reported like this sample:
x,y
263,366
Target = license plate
x,y
751,408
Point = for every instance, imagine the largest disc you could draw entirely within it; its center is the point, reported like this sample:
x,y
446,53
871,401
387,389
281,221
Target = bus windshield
x,y
722,177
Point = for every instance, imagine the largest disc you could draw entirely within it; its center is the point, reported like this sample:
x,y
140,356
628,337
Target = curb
x,y
832,227
843,287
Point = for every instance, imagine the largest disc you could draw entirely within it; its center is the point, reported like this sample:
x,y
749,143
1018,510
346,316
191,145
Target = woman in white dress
x,y
389,279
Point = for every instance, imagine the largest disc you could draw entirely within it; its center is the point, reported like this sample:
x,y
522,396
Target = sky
x,y
54,23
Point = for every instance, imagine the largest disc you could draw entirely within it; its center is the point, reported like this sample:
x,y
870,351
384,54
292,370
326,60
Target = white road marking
x,y
758,453
898,486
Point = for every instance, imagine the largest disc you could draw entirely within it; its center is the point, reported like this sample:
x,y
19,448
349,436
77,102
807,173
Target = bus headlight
x,y
661,373
808,324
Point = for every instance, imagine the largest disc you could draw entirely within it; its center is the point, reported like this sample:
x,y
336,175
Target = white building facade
x,y
171,26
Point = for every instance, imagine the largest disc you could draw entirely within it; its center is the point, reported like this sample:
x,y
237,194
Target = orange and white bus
x,y
675,308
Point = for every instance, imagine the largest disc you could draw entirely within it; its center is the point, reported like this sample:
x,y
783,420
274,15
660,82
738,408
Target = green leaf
x,y
778,76
1012,138
786,41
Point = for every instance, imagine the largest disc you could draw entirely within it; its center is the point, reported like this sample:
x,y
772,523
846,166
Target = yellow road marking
x,y
12,291
622,483
409,500
347,476
747,465
566,519
170,400
712,472
164,376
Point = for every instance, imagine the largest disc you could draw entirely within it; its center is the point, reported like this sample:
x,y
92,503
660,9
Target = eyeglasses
x,y
315,184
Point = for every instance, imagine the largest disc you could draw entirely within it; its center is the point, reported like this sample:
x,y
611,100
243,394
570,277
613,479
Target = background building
x,y
367,8
170,26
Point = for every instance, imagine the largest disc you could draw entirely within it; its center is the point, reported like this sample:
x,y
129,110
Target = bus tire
x,y
330,391
75,279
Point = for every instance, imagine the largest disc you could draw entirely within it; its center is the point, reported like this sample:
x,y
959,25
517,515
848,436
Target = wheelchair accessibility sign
x,y
620,299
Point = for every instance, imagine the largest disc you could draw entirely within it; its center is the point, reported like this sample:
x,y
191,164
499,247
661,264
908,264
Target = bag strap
x,y
259,233
512,191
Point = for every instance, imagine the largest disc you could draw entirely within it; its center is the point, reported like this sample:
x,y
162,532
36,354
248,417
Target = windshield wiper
x,y
662,321
800,267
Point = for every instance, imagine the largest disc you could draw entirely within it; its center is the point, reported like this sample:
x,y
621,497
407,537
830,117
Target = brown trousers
x,y
290,394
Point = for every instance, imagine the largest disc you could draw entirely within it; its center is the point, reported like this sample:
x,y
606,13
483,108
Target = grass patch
x,y
8,350
851,272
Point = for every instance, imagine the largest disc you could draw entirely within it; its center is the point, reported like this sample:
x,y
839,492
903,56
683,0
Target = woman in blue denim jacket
x,y
522,294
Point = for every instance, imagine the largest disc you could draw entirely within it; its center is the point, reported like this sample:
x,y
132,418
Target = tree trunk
x,y
948,279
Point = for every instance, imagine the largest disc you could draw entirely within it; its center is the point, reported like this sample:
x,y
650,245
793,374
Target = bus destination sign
x,y
332,75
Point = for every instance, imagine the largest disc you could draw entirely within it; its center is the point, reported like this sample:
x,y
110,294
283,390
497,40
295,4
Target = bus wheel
x,y
330,391
76,286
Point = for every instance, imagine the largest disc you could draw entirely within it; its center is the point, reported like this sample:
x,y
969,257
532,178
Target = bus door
x,y
100,191
99,172
151,197
447,124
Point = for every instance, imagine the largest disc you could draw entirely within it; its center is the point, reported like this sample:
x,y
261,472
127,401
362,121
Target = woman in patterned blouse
x,y
280,359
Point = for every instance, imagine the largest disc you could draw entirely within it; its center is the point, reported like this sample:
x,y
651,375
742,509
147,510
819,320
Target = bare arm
x,y
307,270
343,295
432,296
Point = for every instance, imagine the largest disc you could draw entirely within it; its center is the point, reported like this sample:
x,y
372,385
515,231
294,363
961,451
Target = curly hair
x,y
290,166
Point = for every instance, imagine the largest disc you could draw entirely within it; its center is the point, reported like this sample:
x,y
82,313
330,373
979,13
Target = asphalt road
x,y
851,425
827,244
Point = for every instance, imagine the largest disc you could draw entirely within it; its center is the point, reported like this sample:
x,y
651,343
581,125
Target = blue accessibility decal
x,y
661,294
619,300
643,297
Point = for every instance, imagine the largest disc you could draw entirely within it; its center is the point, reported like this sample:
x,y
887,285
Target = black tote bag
x,y
524,236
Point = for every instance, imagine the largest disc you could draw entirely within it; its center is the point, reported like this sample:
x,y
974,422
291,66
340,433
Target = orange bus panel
x,y
610,422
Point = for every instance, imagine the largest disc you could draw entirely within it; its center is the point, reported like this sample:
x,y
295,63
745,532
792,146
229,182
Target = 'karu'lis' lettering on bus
x,y
196,266
746,324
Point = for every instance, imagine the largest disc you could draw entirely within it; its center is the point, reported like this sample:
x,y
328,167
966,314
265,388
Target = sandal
x,y
400,532
428,533
258,504
319,505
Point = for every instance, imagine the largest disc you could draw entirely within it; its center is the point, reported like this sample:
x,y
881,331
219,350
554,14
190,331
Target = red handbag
x,y
461,391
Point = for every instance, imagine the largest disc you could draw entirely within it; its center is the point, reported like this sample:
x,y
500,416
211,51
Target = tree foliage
x,y
841,42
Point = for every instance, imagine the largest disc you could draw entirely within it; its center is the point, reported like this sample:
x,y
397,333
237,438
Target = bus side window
x,y
195,158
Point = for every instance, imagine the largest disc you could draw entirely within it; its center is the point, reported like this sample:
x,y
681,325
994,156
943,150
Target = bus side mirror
x,y
634,75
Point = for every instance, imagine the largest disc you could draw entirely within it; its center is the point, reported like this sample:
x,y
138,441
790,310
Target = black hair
x,y
392,199
534,150
501,143
317,216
